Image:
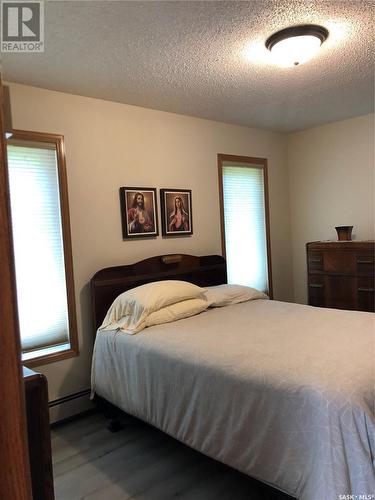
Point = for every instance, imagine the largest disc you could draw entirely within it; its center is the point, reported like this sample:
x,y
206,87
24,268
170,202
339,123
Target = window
x,y
244,220
42,247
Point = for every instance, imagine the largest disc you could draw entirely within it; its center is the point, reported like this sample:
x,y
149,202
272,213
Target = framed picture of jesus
x,y
138,212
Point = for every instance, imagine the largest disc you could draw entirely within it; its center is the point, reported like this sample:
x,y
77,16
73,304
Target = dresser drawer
x,y
366,294
365,264
340,291
316,290
339,262
315,261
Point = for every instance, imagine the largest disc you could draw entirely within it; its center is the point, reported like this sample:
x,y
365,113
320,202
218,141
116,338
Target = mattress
x,y
282,392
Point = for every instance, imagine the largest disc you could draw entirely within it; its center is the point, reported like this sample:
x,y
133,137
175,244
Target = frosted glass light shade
x,y
295,50
297,44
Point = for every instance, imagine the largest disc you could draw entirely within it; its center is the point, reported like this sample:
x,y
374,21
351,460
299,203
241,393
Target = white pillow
x,y
177,311
225,295
130,309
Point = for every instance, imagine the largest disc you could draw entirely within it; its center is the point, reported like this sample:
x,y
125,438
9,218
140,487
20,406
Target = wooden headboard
x,y
108,283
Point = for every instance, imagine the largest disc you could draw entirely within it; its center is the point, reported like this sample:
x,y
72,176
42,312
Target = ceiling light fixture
x,y
297,44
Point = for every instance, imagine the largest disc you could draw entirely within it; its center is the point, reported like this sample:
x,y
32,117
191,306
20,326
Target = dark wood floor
x,y
140,463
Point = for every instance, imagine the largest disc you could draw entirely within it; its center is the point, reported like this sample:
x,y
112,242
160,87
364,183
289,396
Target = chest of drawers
x,y
341,274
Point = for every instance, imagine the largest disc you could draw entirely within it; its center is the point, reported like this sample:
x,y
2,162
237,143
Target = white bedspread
x,y
282,392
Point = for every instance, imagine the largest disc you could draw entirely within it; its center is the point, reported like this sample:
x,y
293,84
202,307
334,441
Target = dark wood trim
x,y
14,463
58,140
247,161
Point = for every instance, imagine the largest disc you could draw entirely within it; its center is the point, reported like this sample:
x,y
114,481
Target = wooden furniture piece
x,y
36,397
341,274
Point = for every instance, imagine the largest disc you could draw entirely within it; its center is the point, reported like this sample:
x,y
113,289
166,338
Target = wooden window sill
x,y
49,357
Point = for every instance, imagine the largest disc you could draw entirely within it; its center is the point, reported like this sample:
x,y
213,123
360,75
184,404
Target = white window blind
x,y
38,245
245,226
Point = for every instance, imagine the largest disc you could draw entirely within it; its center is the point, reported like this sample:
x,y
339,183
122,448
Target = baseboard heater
x,y
69,406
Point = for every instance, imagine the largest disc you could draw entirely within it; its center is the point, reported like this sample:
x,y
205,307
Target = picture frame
x,y
139,214
176,212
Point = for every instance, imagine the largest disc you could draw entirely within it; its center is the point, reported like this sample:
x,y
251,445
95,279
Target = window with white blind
x,y
42,247
244,221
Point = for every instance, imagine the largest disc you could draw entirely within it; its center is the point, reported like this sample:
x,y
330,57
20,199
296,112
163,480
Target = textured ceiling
x,y
207,59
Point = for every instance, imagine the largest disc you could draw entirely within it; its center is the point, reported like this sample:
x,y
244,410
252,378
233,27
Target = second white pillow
x,y
177,311
225,295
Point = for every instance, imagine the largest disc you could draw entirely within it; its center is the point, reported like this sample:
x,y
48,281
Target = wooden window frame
x,y
247,162
58,141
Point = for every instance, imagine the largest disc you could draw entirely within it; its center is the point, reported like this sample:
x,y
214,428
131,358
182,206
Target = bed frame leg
x,y
116,418
115,425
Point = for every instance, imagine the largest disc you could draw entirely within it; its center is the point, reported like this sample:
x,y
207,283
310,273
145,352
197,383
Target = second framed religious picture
x,y
138,212
176,212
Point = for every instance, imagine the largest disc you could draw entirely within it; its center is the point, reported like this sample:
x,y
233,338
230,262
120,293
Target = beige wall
x,y
109,145
331,172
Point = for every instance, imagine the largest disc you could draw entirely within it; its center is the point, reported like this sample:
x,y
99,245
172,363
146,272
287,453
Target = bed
x,y
282,392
